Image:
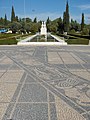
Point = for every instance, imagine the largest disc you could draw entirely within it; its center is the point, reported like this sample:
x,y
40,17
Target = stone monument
x,y
43,29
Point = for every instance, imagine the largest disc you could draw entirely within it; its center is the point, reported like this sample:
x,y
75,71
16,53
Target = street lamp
x,y
24,11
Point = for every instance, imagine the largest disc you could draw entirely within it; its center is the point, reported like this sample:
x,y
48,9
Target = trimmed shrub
x,y
72,31
85,31
81,41
10,41
5,35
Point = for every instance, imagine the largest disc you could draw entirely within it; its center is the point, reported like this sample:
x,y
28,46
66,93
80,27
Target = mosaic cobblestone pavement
x,y
44,83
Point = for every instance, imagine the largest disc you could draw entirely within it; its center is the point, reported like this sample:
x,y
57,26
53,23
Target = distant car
x,y
3,30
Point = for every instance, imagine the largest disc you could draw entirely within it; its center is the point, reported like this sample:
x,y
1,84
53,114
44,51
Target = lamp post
x,y
24,11
24,16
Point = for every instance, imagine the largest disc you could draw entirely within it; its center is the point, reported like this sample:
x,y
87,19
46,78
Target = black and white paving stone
x,y
44,83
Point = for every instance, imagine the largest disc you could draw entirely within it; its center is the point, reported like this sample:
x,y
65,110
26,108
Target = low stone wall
x,y
28,39
58,39
41,43
89,42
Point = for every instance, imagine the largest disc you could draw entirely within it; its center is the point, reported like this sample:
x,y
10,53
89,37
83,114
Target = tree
x,y
13,15
17,19
60,25
26,23
48,21
39,25
82,22
74,25
23,24
1,22
35,20
5,20
27,27
15,27
64,21
85,31
53,28
28,20
66,18
34,28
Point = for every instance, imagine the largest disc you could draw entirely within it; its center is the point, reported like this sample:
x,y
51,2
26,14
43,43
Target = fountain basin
x,y
38,39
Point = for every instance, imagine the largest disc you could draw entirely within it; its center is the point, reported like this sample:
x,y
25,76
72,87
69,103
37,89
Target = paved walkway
x,y
44,83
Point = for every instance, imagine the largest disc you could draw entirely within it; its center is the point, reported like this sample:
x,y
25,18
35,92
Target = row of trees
x,y
65,25
58,25
21,25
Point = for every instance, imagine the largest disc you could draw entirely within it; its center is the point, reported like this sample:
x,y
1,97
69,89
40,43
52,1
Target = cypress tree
x,y
5,20
82,22
35,20
12,15
66,18
1,21
48,21
17,18
64,21
60,25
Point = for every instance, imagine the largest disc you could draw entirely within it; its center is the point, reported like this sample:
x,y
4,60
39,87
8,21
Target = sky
x,y
44,8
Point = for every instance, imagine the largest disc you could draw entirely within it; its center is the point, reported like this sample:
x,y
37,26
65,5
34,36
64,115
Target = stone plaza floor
x,y
44,82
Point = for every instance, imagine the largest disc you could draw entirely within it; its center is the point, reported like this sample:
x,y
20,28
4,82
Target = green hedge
x,y
10,41
80,36
4,35
76,39
81,41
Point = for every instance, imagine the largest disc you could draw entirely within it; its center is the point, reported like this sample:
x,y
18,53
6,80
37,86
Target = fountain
x,y
43,29
43,38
